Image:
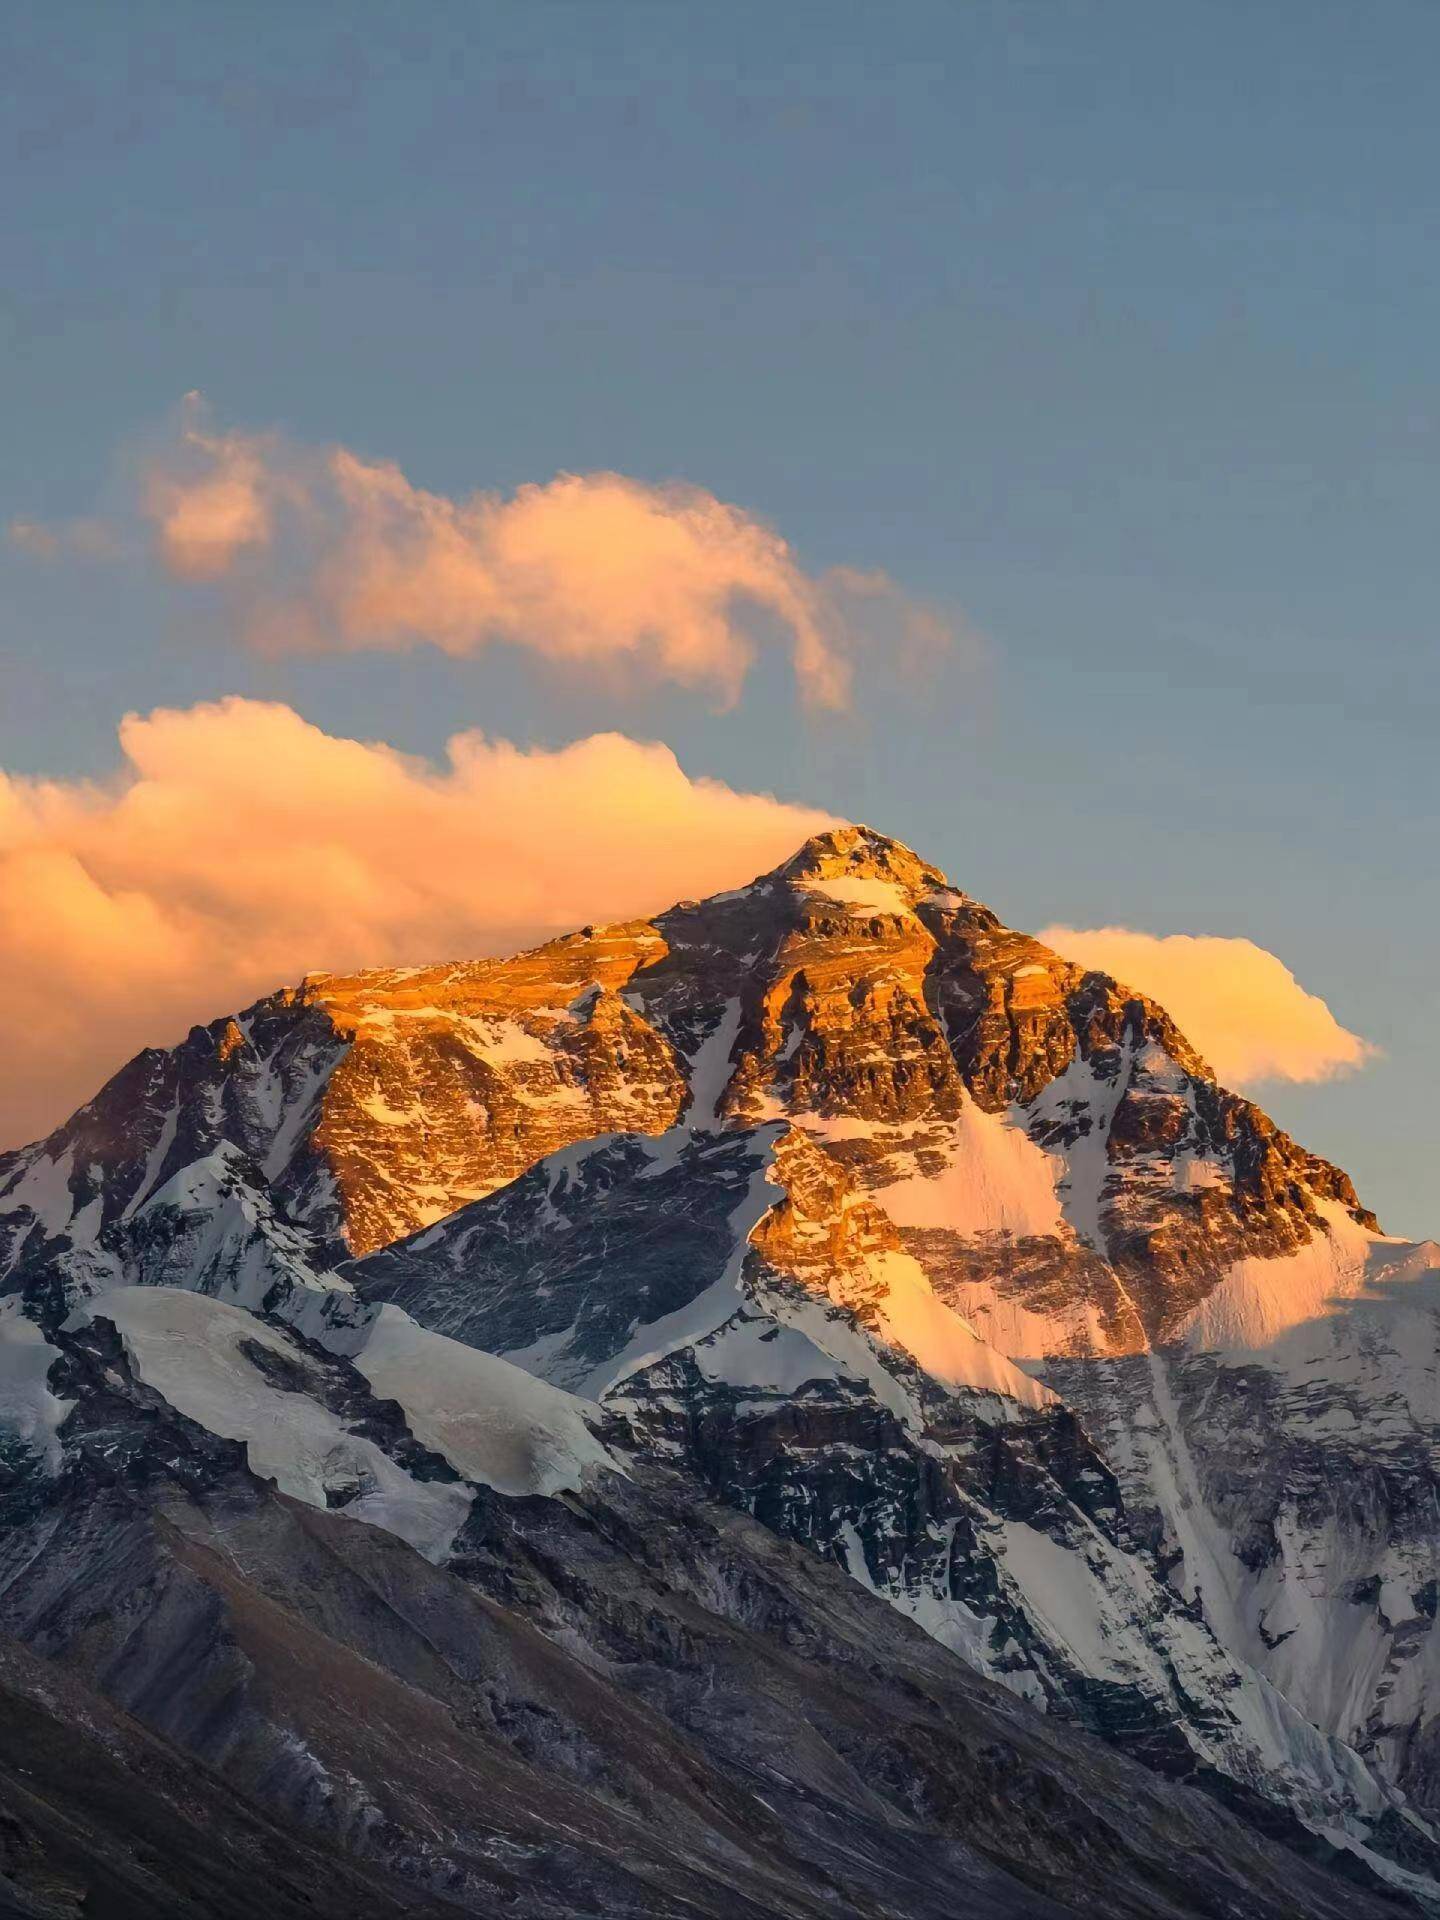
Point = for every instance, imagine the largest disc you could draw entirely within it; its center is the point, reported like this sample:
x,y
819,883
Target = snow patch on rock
x,y
861,894
708,1070
492,1421
191,1349
29,1412
995,1179
909,1315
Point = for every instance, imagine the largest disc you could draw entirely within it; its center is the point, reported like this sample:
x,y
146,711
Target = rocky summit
x,y
810,1405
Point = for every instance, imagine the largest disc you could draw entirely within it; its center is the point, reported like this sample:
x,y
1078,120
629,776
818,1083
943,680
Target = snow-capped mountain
x,y
830,1205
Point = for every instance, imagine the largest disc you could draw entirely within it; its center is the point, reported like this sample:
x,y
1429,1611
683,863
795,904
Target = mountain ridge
x,y
856,1210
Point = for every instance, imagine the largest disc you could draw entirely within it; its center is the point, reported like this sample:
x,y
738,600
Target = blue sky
x,y
1112,329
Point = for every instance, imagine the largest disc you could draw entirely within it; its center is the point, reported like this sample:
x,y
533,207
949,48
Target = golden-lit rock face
x,y
456,1079
883,1009
821,1230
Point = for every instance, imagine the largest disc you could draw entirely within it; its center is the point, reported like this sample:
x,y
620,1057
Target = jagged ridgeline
x,y
808,1405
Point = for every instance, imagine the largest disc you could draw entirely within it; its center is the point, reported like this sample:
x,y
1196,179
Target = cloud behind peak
x,y
1237,1002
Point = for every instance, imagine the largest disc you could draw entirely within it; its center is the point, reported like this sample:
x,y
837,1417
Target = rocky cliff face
x,y
835,1201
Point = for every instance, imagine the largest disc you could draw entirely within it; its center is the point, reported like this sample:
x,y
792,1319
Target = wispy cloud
x,y
240,847
1238,1003
86,539
323,549
213,496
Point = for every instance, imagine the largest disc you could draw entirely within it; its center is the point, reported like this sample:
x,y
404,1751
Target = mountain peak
x,y
861,853
822,1189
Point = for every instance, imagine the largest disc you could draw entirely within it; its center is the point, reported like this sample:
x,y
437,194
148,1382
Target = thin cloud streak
x,y
86,539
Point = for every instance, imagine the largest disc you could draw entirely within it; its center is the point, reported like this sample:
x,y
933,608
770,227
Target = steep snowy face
x,y
250,1084
751,1316
606,1259
1287,1444
338,1403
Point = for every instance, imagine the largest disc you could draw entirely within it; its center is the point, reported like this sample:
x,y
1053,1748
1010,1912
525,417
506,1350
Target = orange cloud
x,y
332,550
213,498
1239,1004
241,847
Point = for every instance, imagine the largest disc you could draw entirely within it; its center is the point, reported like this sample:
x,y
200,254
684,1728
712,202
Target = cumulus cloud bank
x,y
324,549
241,847
1239,1004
